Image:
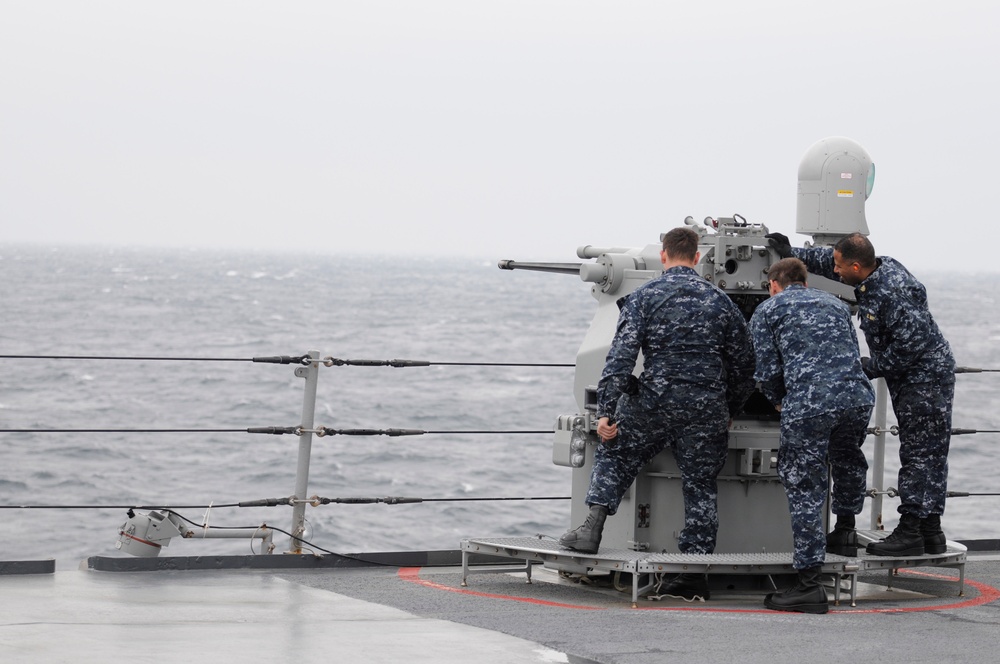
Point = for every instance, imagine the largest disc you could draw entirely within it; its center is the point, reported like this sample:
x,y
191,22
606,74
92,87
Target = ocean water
x,y
211,307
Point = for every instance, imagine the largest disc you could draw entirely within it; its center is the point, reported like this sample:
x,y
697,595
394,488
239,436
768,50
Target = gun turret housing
x,y
735,256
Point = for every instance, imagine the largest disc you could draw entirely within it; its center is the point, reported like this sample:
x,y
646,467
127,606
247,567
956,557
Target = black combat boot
x,y
587,538
934,539
843,539
905,540
689,587
806,596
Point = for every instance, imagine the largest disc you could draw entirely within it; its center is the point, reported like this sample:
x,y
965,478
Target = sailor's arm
x,y
818,260
769,372
738,356
621,360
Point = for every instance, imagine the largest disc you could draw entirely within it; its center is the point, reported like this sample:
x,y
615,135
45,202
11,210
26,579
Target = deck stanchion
x,y
311,374
878,465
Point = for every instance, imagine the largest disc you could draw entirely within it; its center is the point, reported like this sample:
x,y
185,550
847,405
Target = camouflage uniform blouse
x,y
807,354
697,356
905,342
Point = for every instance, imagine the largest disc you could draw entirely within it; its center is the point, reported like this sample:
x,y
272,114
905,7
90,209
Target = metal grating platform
x,y
955,557
643,565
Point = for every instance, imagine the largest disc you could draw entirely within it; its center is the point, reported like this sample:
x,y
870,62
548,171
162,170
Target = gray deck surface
x,y
423,615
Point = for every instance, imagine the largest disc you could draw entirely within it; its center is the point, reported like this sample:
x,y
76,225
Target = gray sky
x,y
497,129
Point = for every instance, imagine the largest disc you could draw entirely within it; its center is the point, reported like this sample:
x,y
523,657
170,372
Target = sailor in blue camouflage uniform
x,y
809,367
697,374
910,353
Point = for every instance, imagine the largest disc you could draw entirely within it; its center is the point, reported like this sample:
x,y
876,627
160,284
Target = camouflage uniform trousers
x,y
923,411
700,449
802,466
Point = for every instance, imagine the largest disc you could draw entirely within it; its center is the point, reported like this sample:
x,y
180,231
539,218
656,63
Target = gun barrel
x,y
590,251
560,268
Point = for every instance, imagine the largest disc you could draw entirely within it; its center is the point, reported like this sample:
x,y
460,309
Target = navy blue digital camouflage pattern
x,y
923,411
805,444
807,354
808,362
696,348
909,351
905,342
697,374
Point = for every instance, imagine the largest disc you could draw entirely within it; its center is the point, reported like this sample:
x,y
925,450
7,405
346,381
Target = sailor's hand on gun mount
x,y
780,244
606,429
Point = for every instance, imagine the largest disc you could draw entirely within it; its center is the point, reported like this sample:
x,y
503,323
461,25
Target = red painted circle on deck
x,y
987,594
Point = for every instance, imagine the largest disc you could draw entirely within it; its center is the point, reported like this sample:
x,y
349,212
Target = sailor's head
x,y
854,259
680,247
784,273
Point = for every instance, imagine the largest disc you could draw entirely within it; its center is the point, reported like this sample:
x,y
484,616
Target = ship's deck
x,y
424,614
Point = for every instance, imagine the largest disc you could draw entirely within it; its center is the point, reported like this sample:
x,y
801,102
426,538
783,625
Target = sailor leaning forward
x,y
809,367
910,353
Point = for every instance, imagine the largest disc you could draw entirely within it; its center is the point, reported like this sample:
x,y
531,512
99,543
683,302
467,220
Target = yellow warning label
x,y
845,193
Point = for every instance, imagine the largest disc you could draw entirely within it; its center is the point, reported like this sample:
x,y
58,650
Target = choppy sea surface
x,y
217,310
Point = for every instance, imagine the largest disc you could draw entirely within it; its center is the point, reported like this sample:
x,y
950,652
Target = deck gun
x,y
735,256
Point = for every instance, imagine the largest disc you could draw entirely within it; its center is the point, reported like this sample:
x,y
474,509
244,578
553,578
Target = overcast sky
x,y
497,129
